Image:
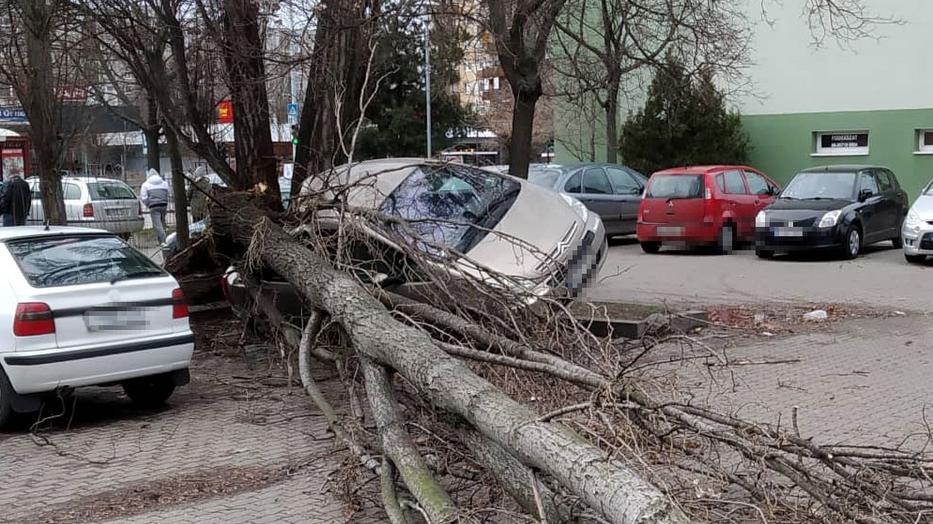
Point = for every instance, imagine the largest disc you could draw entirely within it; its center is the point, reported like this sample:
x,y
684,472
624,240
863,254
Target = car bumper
x,y
686,233
803,239
46,370
918,241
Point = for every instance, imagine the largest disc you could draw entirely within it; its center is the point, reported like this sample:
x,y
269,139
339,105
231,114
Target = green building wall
x,y
784,144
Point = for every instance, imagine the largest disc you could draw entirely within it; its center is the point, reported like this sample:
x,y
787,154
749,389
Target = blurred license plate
x,y
118,212
671,231
788,232
114,319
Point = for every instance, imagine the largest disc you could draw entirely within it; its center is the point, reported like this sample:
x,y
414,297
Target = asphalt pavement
x,y
879,277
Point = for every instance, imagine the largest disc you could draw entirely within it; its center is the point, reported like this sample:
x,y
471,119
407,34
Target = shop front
x,y
14,154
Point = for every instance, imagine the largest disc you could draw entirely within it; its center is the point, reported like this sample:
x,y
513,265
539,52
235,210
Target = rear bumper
x,y
811,238
687,233
48,369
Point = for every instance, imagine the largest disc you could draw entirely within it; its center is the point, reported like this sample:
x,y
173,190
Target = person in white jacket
x,y
155,195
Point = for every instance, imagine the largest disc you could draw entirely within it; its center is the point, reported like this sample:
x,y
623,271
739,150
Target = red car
x,y
702,205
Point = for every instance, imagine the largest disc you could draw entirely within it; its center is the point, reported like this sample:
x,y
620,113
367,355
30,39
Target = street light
x,y
427,79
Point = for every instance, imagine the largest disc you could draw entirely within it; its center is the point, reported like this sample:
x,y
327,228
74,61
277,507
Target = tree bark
x,y
178,190
243,53
606,485
152,132
523,122
612,122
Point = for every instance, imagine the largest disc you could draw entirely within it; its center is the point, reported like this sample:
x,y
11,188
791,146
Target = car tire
x,y
650,247
150,391
726,239
852,243
915,259
6,401
764,253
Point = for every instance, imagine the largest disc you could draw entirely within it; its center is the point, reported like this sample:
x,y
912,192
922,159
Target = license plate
x,y
115,319
788,232
118,212
671,231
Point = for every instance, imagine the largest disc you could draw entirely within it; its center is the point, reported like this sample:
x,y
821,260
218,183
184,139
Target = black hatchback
x,y
840,207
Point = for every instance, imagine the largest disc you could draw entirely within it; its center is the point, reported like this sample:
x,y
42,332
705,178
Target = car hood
x,y
539,218
924,207
816,206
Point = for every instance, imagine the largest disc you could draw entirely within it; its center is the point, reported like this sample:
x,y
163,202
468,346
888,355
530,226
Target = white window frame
x,y
840,151
495,83
922,147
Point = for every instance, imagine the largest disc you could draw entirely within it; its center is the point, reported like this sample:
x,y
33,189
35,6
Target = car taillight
x,y
708,194
33,318
179,306
88,211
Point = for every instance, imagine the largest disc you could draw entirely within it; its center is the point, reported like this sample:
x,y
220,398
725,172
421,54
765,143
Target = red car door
x,y
740,204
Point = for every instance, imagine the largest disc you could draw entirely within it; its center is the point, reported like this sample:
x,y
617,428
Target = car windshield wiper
x,y
138,274
788,198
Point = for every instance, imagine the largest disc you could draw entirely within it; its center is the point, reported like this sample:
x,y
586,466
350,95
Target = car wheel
x,y
915,259
852,245
150,391
650,247
6,402
898,241
764,253
726,239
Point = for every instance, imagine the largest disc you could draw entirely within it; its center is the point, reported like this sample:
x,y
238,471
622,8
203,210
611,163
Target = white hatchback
x,y
84,308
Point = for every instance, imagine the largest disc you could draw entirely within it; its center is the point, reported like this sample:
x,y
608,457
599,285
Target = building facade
x,y
867,101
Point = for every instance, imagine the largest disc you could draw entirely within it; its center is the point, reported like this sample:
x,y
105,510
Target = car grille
x,y
558,252
804,222
926,242
571,274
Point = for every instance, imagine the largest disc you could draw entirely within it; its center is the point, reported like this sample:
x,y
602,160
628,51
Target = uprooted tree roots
x,y
614,447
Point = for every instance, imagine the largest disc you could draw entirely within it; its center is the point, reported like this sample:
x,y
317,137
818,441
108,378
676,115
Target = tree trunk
x,y
243,54
606,485
178,190
153,155
523,122
612,122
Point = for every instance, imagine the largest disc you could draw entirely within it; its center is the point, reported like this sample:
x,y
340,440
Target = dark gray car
x,y
612,191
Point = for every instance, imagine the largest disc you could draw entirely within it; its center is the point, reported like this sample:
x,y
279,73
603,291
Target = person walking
x,y
155,195
197,194
15,201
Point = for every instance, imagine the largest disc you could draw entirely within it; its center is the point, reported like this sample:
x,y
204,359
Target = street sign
x,y
225,112
292,113
12,115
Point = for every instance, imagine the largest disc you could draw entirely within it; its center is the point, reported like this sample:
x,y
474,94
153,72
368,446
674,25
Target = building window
x,y
841,143
925,141
495,83
485,84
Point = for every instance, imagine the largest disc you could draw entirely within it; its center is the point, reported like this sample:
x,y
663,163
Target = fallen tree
x,y
616,448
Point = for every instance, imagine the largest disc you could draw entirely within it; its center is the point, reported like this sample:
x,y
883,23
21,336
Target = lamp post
x,y
427,80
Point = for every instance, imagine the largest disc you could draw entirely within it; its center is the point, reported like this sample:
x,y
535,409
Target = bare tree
x,y
35,59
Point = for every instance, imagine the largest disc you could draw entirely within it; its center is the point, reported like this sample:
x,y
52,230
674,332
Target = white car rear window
x,y
82,259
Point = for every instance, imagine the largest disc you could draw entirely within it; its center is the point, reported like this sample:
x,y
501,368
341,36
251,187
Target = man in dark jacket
x,y
15,201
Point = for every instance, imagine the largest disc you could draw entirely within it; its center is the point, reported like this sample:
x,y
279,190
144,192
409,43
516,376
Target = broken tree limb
x,y
390,494
398,446
609,487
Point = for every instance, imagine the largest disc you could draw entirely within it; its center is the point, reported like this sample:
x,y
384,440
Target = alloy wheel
x,y
855,242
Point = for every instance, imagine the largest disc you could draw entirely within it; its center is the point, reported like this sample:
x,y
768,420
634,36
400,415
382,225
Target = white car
x,y
917,231
101,203
84,308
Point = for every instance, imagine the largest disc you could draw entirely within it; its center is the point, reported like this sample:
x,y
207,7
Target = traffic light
x,y
294,134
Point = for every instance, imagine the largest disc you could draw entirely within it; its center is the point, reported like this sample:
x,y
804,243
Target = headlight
x,y
830,219
913,220
761,220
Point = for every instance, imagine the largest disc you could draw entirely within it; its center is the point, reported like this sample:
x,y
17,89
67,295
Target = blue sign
x,y
13,115
292,109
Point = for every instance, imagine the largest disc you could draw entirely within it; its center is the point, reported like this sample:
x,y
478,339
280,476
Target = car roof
x,y
840,168
81,178
700,170
13,233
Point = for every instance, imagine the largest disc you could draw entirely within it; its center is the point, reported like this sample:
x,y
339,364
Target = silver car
x,y
610,190
544,243
99,203
917,231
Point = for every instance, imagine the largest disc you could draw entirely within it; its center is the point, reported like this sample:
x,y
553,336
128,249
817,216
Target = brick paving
x,y
224,420
858,381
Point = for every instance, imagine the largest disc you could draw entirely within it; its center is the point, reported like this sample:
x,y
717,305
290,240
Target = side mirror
x,y
864,195
773,191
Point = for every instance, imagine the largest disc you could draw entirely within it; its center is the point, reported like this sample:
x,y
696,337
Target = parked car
x,y
611,191
844,207
100,203
474,212
703,205
84,308
917,231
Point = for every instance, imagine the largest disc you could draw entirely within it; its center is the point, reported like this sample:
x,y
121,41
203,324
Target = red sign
x,y
225,112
